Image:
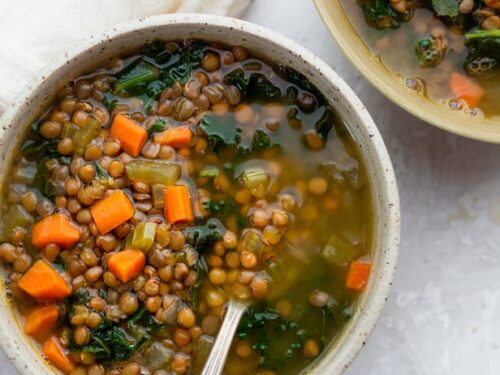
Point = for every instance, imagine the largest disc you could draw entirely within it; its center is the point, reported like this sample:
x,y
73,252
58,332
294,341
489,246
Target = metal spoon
x,y
217,358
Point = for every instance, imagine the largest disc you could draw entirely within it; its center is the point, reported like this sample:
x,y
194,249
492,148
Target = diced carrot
x,y
466,89
58,229
126,264
55,353
41,320
175,137
131,135
43,282
358,275
331,204
112,211
178,208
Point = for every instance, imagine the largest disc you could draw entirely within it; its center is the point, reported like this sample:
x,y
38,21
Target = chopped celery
x,y
153,172
209,171
203,348
26,173
254,178
69,129
16,216
285,270
338,252
252,241
157,193
86,135
142,237
158,356
139,75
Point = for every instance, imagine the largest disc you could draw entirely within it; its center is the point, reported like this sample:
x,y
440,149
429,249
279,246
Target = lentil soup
x,y
445,50
169,181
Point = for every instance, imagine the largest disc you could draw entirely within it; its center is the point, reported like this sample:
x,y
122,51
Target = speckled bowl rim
x,y
21,351
373,69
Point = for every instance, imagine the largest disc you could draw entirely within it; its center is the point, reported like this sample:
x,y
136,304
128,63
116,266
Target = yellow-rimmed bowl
x,y
389,84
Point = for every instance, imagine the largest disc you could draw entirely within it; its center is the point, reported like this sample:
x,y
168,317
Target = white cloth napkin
x,y
33,32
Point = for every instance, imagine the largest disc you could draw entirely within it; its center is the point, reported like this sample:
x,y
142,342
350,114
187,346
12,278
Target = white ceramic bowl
x,y
39,93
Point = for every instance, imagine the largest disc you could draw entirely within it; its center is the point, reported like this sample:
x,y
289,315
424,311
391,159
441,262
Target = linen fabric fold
x,y
34,32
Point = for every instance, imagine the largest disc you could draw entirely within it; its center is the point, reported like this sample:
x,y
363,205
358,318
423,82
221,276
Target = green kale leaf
x,y
80,297
262,88
254,320
100,172
194,292
261,140
182,64
134,79
122,345
334,315
253,85
483,58
258,324
110,100
325,123
301,81
202,237
297,78
156,53
110,341
157,127
154,88
220,208
39,150
379,14
43,182
143,322
221,132
430,51
446,8
157,69
239,79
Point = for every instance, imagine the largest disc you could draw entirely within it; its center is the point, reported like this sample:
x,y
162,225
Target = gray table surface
x,y
442,316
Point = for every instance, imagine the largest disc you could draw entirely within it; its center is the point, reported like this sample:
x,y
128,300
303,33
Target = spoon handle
x,y
217,358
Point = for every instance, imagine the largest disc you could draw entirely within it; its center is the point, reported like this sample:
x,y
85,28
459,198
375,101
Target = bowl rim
x,y
385,81
378,291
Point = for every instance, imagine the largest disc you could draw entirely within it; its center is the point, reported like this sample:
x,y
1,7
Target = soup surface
x,y
166,183
447,51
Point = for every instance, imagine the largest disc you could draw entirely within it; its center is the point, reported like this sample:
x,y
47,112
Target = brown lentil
x,y
311,348
181,337
65,146
210,62
50,129
128,303
186,317
92,152
111,148
30,201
